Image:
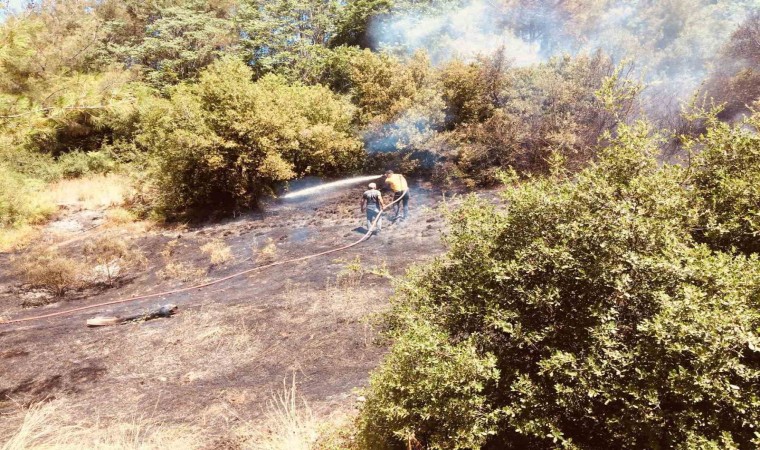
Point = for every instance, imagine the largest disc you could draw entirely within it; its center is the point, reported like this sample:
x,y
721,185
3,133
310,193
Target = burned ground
x,y
218,361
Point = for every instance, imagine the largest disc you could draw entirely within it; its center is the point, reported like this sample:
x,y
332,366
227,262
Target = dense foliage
x,y
611,300
610,325
220,143
87,78
726,169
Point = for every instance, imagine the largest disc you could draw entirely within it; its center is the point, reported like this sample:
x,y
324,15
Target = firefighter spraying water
x,y
372,200
397,184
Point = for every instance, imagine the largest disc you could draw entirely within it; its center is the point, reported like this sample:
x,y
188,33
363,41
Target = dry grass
x,y
48,269
177,270
217,251
44,427
92,192
352,273
169,249
290,424
181,271
267,252
355,271
220,335
13,239
113,257
119,216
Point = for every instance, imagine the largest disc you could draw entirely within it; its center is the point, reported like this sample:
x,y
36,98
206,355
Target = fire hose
x,y
212,282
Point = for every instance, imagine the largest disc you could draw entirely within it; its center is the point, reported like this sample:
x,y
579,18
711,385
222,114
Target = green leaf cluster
x,y
610,324
222,142
726,167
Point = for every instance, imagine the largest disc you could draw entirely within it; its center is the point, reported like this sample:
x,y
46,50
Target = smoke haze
x,y
461,33
673,44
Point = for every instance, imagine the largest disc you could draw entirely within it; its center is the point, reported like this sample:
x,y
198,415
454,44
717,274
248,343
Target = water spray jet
x,y
327,186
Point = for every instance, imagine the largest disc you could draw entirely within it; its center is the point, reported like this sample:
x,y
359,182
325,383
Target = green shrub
x,y
20,200
222,143
725,184
29,163
610,327
77,164
429,391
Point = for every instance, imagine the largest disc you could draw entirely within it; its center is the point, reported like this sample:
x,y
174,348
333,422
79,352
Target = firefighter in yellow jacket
x,y
397,184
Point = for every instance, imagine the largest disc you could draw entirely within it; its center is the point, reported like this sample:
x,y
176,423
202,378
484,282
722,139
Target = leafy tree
x,y
51,39
222,143
735,82
726,168
610,326
53,83
64,116
472,91
181,43
278,35
399,104
353,24
523,118
361,22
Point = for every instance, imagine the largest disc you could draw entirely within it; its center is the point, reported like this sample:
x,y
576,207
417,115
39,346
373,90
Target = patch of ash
x,y
68,225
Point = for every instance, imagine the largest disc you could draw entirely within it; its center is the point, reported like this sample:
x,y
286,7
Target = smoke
x,y
461,33
673,44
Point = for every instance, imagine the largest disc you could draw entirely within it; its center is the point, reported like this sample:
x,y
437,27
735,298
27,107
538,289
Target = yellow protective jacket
x,y
396,182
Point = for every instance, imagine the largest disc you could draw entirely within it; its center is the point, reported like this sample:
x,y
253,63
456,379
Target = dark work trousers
x,y
404,202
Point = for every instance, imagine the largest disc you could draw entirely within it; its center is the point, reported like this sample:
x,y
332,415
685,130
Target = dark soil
x,y
229,347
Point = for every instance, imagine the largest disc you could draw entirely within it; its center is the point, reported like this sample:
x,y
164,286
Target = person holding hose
x,y
397,184
372,202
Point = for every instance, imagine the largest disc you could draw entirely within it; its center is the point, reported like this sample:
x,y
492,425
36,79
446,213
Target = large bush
x,y
610,327
399,102
726,170
522,118
221,143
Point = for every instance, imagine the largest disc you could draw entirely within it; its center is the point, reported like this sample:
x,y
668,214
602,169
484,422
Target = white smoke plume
x,y
463,33
673,44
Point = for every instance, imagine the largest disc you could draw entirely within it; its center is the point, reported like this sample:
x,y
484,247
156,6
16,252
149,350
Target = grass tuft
x,y
43,428
217,251
92,192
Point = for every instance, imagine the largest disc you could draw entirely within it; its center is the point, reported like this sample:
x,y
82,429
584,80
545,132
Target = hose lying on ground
x,y
208,283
